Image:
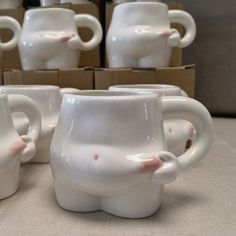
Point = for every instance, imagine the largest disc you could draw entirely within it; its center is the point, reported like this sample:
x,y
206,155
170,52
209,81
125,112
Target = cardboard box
x,y
11,59
91,57
81,78
176,57
183,76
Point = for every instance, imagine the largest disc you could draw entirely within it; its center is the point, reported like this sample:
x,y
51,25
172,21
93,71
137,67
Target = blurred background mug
x,y
48,101
179,133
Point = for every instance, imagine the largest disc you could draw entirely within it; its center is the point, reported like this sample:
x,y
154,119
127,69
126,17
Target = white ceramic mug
x,y
140,36
9,23
10,4
50,39
14,147
178,133
109,151
45,3
48,100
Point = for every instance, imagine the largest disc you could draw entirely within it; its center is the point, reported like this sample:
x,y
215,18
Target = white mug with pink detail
x,y
48,101
10,23
140,35
50,39
14,147
179,134
109,153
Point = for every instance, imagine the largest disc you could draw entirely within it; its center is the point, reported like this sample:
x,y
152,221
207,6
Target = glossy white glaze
x,y
177,132
14,147
140,36
125,1
108,150
50,39
74,1
10,4
7,22
48,100
45,3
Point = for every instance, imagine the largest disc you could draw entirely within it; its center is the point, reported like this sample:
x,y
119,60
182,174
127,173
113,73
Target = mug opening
x,y
106,94
146,86
29,87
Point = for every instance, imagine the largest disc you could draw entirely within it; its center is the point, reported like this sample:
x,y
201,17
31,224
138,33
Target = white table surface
x,y
200,202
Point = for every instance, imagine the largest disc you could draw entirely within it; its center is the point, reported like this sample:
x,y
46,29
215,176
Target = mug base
x,y
140,202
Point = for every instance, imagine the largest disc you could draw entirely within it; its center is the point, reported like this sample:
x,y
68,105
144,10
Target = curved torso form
x,y
43,43
138,35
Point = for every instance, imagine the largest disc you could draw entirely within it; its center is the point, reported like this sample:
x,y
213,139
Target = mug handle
x,y
88,21
21,103
169,170
12,24
185,108
185,19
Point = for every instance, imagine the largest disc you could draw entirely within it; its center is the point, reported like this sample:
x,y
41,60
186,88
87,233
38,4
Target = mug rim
x,y
146,87
29,87
111,95
141,3
53,9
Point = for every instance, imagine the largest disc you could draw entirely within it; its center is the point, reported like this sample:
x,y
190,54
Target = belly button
x,y
96,157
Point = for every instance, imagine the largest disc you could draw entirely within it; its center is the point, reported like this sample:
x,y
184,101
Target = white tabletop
x,y
201,202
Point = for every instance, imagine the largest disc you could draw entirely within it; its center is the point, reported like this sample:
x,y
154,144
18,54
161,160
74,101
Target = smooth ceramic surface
x,y
179,134
10,4
45,3
48,100
140,36
50,39
125,1
109,151
7,22
74,1
14,147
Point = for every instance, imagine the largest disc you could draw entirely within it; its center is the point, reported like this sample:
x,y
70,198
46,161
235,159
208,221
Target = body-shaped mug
x,y
50,39
140,35
9,23
48,101
109,151
178,133
14,147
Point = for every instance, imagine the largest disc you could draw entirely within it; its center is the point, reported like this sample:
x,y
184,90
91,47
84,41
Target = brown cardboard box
x,y
176,58
184,77
92,57
81,78
11,59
